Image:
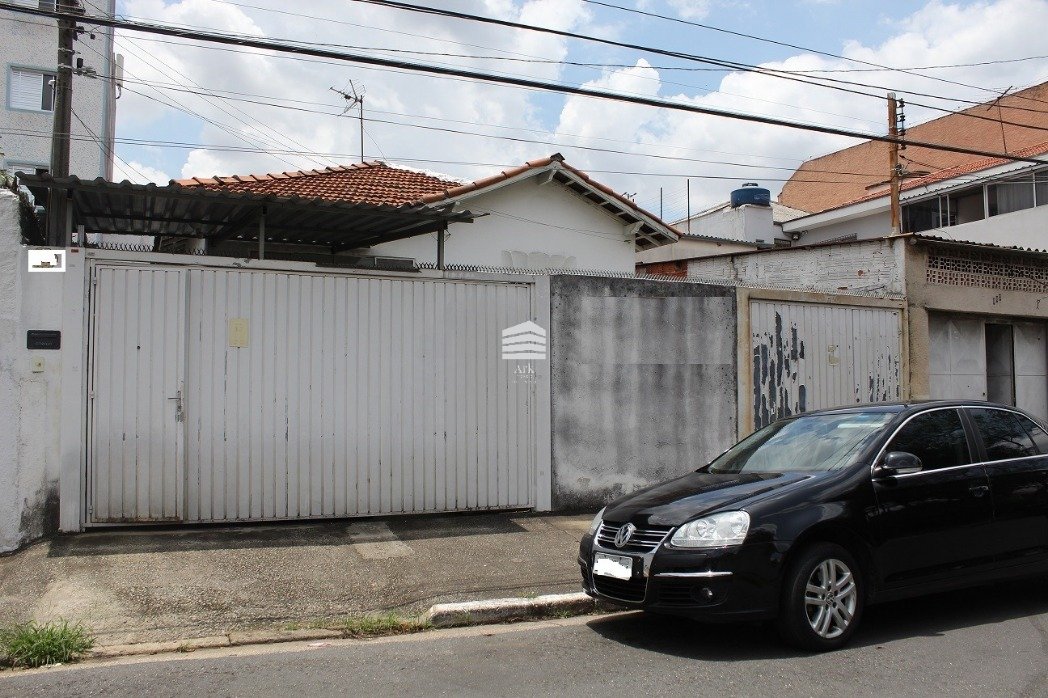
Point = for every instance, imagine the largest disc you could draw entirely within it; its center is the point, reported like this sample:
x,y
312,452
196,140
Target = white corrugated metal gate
x,y
808,356
219,394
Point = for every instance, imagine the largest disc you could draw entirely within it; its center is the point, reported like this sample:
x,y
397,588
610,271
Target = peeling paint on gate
x,y
809,356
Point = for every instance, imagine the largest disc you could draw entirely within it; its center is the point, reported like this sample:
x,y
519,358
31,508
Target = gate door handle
x,y
979,490
178,405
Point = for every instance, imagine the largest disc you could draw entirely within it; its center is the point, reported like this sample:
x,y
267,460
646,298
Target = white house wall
x,y
30,401
868,227
875,267
529,225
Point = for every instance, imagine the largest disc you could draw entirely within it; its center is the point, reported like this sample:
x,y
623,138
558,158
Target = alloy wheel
x,y
830,598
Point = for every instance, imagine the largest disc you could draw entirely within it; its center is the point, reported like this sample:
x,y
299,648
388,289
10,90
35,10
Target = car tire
x,y
822,598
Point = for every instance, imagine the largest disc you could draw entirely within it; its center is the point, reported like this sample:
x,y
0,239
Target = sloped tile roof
x,y
379,183
817,185
366,183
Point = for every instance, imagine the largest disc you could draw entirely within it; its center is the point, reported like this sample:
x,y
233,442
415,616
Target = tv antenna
x,y
354,99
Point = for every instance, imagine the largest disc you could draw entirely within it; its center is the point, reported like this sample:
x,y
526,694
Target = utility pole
x,y
893,162
57,204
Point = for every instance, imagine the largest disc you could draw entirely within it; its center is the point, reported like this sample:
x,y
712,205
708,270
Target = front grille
x,y
643,540
631,590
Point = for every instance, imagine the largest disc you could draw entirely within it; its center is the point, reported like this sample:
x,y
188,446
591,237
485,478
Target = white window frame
x,y
28,69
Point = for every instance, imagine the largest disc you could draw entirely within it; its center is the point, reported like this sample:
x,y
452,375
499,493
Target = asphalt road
x,y
988,641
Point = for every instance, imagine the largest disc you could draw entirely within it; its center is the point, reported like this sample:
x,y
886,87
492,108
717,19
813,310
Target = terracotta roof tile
x,y
379,183
813,188
366,183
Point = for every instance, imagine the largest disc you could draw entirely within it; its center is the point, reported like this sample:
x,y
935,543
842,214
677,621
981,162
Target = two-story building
x,y
28,51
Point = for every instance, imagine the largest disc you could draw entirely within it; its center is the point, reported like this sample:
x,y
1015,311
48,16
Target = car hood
x,y
677,501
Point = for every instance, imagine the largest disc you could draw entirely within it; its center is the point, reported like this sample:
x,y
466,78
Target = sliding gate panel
x,y
136,468
324,395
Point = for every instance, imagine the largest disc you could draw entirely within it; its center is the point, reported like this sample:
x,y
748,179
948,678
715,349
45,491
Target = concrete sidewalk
x,y
152,585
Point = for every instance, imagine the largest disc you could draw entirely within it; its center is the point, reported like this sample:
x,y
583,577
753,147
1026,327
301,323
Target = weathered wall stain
x,y
858,358
643,382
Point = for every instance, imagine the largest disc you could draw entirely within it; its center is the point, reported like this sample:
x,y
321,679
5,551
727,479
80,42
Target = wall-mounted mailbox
x,y
43,339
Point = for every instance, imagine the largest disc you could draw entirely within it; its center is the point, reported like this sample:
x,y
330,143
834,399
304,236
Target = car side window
x,y
1036,432
1002,434
937,438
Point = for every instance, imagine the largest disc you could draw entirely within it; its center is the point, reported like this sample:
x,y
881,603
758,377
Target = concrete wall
x,y
529,226
875,267
643,383
30,45
29,400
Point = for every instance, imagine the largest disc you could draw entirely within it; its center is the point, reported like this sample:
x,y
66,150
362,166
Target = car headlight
x,y
716,531
595,524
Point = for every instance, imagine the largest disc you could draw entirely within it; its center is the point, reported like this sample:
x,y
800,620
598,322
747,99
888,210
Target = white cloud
x,y
938,33
138,173
691,9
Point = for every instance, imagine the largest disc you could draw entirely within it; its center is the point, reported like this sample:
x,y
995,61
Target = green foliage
x,y
36,644
373,625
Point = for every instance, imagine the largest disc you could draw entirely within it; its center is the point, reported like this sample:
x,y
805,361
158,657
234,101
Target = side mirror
x,y
897,463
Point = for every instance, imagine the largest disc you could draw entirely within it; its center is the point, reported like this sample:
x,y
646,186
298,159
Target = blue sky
x,y
249,112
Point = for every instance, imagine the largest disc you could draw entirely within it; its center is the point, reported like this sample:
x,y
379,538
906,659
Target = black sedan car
x,y
814,517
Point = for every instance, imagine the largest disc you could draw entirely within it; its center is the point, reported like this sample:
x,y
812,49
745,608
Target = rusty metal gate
x,y
221,394
808,356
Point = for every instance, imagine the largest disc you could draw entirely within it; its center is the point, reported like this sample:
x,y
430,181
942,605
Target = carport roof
x,y
123,208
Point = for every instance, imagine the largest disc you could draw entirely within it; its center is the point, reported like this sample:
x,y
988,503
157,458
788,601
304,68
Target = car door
x,y
1015,451
938,522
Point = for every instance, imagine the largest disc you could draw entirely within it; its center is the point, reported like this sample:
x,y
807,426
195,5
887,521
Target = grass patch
x,y
378,624
36,644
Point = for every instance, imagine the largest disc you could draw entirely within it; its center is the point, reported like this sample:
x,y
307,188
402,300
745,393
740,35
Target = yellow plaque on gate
x,y
238,332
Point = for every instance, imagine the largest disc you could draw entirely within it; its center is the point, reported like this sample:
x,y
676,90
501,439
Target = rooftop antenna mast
x,y
354,99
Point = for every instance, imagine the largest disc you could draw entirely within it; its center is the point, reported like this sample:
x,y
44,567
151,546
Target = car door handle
x,y
979,490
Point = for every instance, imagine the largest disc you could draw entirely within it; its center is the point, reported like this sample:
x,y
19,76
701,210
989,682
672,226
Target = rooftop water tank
x,y
751,194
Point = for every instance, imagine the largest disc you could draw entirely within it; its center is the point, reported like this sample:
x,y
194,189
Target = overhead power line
x,y
277,46
834,84
878,66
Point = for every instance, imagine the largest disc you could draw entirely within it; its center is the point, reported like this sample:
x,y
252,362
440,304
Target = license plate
x,y
617,566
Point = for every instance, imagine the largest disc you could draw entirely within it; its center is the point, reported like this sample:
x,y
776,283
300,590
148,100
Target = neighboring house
x,y
28,53
976,320
544,214
984,200
749,221
848,175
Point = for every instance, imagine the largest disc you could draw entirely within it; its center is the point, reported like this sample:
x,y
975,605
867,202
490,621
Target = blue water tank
x,y
751,194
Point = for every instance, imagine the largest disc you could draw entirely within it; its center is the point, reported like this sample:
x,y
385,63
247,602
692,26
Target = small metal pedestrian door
x,y
136,459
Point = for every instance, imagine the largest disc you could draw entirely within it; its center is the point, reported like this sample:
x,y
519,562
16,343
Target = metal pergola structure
x,y
174,211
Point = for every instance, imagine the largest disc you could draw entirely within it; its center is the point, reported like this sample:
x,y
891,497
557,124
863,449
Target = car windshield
x,y
812,443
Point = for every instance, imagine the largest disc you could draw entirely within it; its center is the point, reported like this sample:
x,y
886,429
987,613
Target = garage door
x,y
809,356
294,395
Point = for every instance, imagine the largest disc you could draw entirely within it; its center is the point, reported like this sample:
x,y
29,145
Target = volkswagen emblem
x,y
624,534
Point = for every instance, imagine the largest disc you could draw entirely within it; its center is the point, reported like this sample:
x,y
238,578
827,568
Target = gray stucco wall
x,y
643,383
29,400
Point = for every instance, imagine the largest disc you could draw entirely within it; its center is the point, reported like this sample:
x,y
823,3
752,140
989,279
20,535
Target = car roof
x,y
907,406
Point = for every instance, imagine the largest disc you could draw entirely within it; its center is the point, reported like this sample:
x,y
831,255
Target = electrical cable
x,y
504,80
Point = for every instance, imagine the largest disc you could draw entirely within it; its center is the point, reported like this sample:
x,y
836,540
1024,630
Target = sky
x,y
188,110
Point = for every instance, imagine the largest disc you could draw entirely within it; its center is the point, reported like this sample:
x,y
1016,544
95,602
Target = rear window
x,y
1003,435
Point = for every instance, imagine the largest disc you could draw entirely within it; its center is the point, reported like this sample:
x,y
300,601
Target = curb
x,y
445,615
449,615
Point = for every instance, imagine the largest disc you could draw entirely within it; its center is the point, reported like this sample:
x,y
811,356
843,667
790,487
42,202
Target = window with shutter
x,y
32,89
